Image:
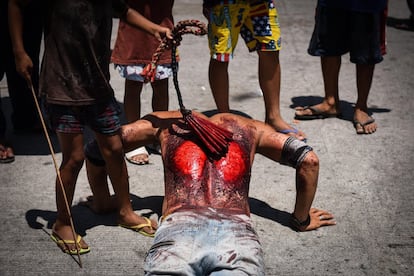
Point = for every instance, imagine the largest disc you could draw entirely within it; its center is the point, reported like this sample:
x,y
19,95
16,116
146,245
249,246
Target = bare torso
x,y
194,180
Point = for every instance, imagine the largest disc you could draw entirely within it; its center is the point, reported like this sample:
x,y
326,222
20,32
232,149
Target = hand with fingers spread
x,y
317,218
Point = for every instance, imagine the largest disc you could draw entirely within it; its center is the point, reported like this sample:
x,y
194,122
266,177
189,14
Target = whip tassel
x,y
215,138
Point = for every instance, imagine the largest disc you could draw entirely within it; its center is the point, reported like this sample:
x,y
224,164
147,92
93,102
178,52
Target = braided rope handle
x,y
191,26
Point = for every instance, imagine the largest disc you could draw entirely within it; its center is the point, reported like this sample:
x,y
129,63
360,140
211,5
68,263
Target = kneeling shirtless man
x,y
205,224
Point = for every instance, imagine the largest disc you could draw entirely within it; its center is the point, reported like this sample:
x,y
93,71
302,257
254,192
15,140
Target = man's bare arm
x,y
24,64
139,21
297,154
137,134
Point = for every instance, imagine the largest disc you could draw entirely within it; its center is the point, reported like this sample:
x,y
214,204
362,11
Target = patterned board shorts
x,y
133,72
103,118
256,22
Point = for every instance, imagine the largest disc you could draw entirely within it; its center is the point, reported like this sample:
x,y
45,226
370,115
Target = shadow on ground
x,y
84,219
264,210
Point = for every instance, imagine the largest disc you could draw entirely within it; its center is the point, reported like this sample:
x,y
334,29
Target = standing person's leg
x,y
160,102
132,109
329,107
6,151
160,97
219,84
112,152
330,73
25,117
364,123
329,41
72,151
225,21
132,100
3,125
261,33
101,201
104,119
366,51
269,80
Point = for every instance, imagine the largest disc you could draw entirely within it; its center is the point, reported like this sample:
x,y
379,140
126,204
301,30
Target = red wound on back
x,y
233,164
190,159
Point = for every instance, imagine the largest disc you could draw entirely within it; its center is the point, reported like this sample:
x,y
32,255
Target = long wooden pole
x,y
57,171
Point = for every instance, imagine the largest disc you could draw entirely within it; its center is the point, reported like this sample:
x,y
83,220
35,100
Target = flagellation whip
x,y
57,172
215,138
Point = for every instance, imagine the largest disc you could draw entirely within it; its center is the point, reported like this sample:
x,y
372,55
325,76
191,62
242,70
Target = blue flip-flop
x,y
287,131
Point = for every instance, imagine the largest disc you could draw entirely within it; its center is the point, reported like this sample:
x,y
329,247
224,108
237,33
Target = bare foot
x,y
63,237
363,123
99,208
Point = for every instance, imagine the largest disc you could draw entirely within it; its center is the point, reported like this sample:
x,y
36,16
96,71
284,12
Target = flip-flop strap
x,y
62,241
367,122
315,111
370,121
287,131
140,226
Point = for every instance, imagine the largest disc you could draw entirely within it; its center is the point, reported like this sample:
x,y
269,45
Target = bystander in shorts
x,y
339,31
257,22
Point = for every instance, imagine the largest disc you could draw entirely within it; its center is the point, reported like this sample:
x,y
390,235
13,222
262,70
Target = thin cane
x,y
57,171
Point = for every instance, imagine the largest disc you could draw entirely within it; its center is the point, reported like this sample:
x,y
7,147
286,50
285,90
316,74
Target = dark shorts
x,y
338,32
103,118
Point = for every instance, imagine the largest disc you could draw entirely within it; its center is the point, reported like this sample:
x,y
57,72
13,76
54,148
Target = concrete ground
x,y
365,180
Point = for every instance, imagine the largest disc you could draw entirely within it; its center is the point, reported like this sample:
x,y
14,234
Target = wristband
x,y
299,224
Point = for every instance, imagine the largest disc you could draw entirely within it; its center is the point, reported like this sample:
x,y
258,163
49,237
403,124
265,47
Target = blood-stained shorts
x,y
257,22
205,243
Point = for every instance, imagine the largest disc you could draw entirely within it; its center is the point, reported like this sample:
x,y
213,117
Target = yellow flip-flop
x,y
63,244
140,227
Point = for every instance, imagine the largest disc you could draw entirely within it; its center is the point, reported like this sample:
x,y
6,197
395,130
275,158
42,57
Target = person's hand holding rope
x,y
171,42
